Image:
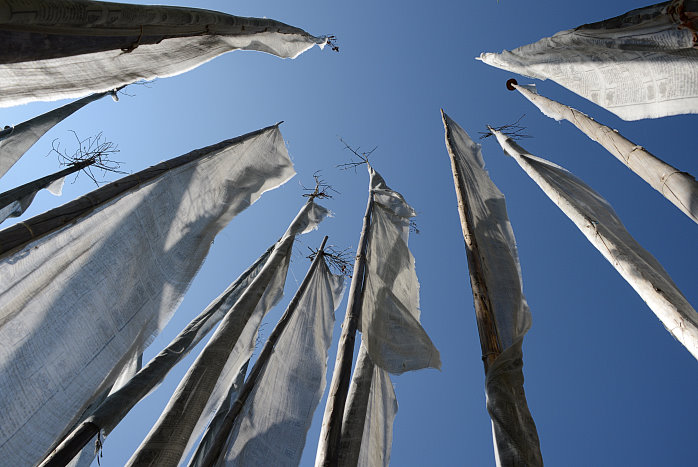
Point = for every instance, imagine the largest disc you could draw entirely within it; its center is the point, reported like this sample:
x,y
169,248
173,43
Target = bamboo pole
x,y
21,191
328,444
218,443
118,404
484,315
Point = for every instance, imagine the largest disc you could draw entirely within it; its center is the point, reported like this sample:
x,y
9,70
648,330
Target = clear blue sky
x,y
606,384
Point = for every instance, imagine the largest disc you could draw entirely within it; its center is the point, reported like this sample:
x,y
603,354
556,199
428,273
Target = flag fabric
x,y
16,140
17,207
56,49
395,339
638,65
272,425
207,381
106,414
86,285
119,403
367,427
597,220
678,187
514,431
218,420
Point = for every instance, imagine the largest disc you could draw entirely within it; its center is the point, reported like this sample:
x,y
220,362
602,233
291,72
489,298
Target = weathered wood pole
x,y
21,191
328,444
486,324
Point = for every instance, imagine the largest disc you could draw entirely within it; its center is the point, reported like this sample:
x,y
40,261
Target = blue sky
x,y
606,383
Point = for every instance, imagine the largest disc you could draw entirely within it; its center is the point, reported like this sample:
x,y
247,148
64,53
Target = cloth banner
x,y
206,382
272,425
16,208
678,187
79,302
16,140
367,427
56,49
515,435
599,223
641,64
394,337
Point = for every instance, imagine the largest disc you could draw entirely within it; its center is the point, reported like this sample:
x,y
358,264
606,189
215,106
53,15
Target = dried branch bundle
x,y
362,156
512,130
339,261
94,149
322,189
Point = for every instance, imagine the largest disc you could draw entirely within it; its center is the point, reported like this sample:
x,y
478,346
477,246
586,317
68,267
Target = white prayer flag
x,y
78,301
394,337
678,187
638,65
55,49
597,220
272,425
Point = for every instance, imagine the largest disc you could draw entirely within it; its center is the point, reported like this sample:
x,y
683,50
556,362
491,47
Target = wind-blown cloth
x,y
14,206
109,412
85,286
207,381
678,187
597,220
272,425
395,339
118,404
367,426
15,141
642,64
55,49
515,436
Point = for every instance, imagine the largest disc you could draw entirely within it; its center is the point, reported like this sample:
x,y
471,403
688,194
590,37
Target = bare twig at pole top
x,y
362,156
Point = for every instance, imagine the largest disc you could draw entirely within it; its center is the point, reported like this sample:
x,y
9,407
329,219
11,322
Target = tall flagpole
x,y
328,444
484,314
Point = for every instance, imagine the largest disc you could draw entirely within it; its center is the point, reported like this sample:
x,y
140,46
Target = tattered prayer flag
x,y
597,220
55,49
641,64
207,381
390,324
272,425
16,140
367,429
495,275
85,286
678,187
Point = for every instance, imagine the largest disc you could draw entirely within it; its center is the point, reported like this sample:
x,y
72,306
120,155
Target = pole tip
x,y
511,83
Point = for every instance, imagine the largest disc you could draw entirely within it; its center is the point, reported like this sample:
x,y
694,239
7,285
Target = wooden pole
x,y
356,412
71,446
328,444
20,192
486,324
218,444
